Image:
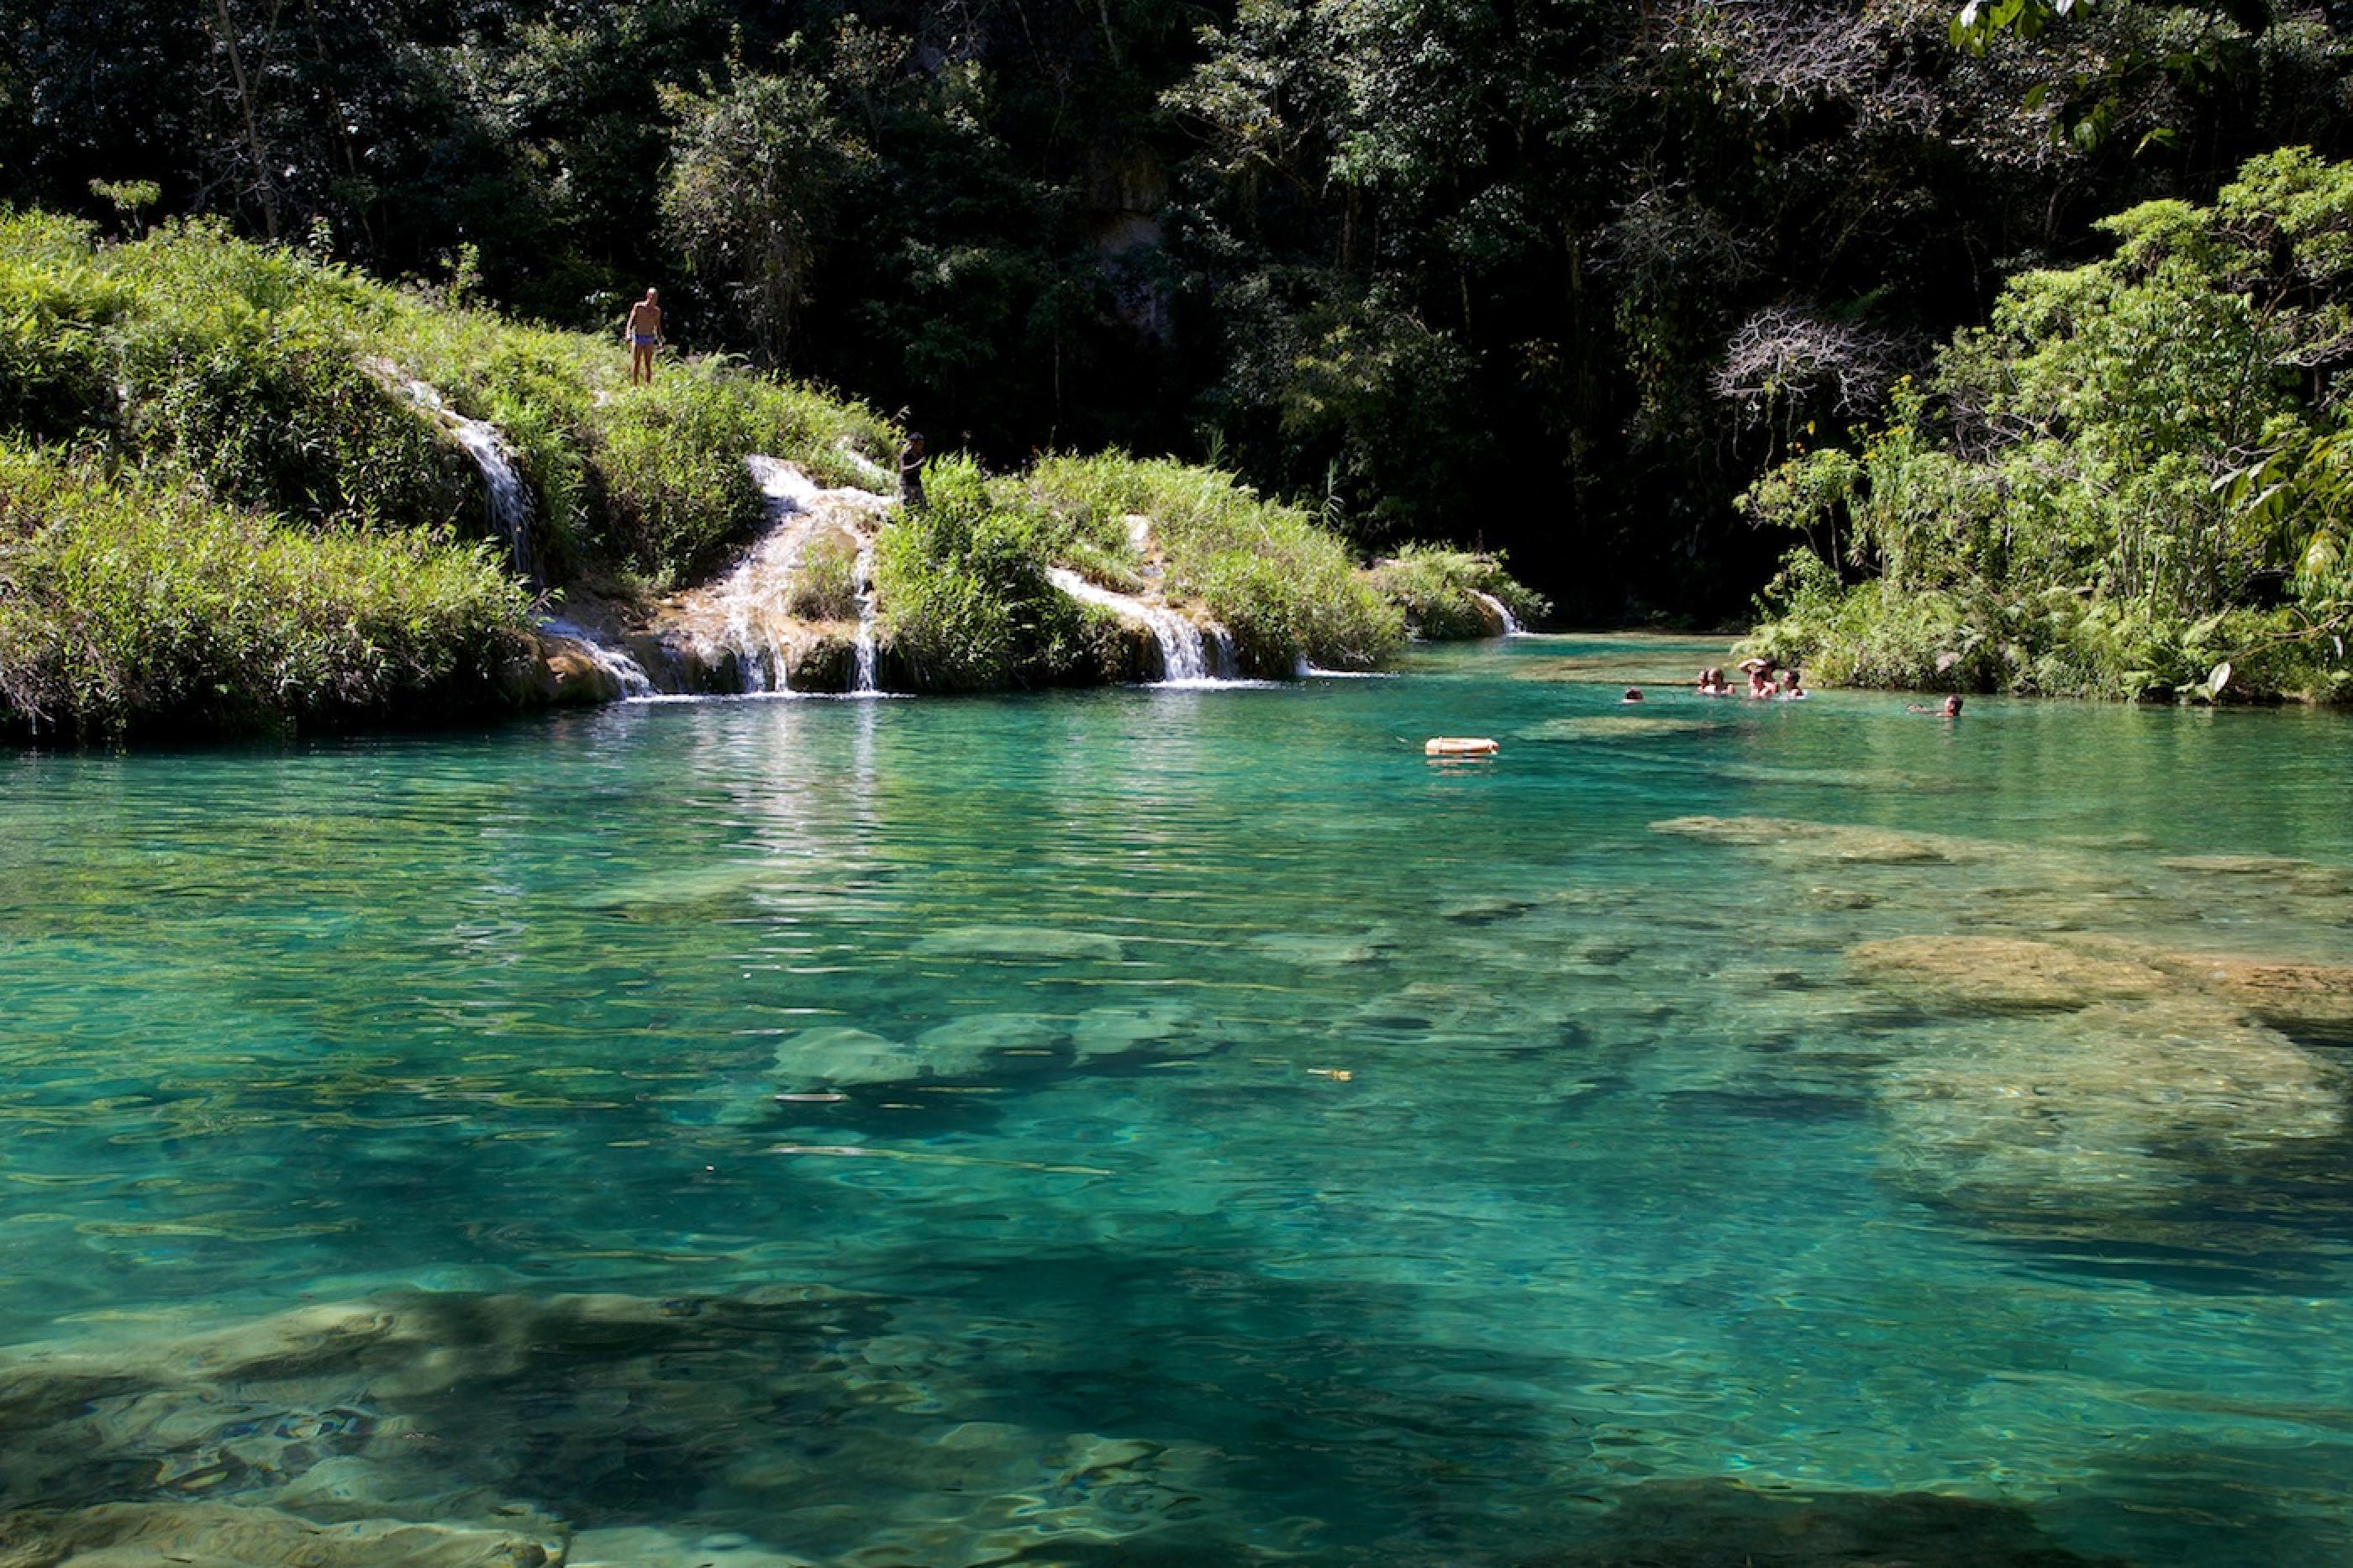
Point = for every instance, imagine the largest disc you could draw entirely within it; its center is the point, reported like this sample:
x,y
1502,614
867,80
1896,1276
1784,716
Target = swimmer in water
x,y
1951,708
1633,694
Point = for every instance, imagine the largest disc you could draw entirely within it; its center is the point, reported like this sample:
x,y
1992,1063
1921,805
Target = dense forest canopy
x,y
1562,277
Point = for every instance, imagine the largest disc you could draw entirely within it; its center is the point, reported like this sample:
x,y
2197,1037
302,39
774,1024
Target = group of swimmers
x,y
1769,682
1766,681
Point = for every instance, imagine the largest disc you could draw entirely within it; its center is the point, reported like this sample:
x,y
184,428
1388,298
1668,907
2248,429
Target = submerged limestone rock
x,y
1021,944
1828,842
2306,998
961,1048
1998,972
651,1546
224,1535
839,1056
1310,950
443,1409
1164,1027
1484,908
1610,727
2117,1105
2284,870
1730,1524
981,1035
2007,974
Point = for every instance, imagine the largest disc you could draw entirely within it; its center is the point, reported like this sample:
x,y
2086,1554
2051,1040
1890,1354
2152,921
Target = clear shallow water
x,y
1261,1141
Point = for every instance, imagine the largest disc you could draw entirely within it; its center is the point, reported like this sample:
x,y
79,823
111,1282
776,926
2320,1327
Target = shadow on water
x,y
1724,1524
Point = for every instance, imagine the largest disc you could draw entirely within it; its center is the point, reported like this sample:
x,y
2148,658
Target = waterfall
x,y
1511,627
749,604
1184,660
510,499
741,630
1219,642
615,662
862,676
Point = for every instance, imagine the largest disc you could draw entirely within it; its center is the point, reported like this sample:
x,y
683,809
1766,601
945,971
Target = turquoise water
x,y
1255,1140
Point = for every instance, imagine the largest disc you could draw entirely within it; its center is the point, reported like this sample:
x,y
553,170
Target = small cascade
x,y
741,630
861,680
1511,627
625,671
1184,659
1219,644
510,499
749,604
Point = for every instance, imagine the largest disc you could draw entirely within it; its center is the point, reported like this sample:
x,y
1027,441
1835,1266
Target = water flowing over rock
x,y
741,633
861,679
1189,657
562,640
1502,613
508,497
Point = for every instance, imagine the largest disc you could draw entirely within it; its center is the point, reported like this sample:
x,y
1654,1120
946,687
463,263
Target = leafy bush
x,y
2132,476
130,602
825,588
964,595
1282,586
1438,589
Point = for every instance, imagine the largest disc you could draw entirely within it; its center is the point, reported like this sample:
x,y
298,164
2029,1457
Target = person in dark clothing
x,y
912,457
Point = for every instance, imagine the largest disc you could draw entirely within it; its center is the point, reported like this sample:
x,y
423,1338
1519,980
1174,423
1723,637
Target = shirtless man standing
x,y
645,335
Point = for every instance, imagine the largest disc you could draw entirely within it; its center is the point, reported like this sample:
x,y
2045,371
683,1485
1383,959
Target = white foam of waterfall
x,y
614,661
748,613
1511,627
750,599
1219,645
861,680
1184,652
509,498
1305,670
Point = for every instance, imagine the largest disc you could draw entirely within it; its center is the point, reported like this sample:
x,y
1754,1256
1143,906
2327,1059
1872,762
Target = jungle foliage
x,y
1558,278
2132,481
300,415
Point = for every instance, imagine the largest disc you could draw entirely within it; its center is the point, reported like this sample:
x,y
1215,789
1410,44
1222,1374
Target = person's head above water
x,y
1953,706
1633,694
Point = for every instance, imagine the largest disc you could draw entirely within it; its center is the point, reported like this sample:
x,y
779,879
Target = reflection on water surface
x,y
1189,1123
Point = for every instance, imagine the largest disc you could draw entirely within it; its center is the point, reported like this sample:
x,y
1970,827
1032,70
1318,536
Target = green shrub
x,y
2052,642
1437,587
825,586
130,602
2119,484
1282,586
276,378
669,458
965,597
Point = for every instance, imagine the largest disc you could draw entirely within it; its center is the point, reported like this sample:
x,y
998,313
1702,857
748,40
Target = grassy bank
x,y
130,602
233,431
1444,593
